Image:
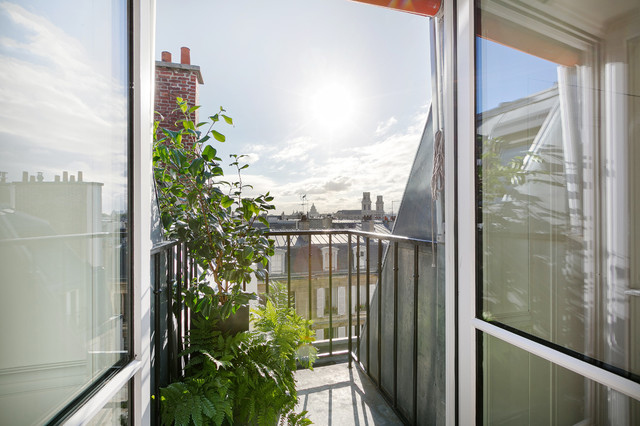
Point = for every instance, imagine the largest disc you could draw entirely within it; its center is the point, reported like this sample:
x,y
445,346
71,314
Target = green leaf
x,y
209,153
247,252
229,120
218,136
196,166
193,108
227,201
208,408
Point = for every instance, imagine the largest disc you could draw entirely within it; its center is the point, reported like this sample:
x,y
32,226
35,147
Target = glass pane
x,y
63,201
115,412
557,117
522,389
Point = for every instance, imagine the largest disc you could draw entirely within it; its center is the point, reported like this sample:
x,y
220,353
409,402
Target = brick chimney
x,y
172,81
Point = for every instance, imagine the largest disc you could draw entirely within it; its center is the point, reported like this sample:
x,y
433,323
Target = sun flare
x,y
333,105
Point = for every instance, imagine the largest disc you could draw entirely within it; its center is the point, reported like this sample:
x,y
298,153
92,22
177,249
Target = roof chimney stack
x,y
185,56
166,56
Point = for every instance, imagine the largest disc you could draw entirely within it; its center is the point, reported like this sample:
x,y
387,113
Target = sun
x,y
333,105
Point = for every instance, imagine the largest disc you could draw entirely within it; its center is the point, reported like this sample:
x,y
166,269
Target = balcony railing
x,y
171,271
385,258
371,272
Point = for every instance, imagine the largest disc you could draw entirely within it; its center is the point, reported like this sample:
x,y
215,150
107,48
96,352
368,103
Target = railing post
x,y
289,272
395,324
310,298
179,263
156,332
415,331
330,301
368,308
379,372
350,260
171,344
266,279
358,297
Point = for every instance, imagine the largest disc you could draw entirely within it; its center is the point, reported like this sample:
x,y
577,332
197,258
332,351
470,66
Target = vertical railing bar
x,y
350,260
266,278
185,309
358,297
368,306
309,284
156,332
330,300
395,324
289,271
415,332
379,372
170,336
192,275
179,262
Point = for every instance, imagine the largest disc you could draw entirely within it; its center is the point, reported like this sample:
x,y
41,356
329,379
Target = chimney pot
x,y
166,56
57,178
79,176
25,176
72,178
65,176
185,56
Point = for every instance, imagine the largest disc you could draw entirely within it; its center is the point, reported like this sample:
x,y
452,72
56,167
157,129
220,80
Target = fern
x,y
246,378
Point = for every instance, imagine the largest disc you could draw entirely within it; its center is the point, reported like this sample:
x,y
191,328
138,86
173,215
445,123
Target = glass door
x,y
557,198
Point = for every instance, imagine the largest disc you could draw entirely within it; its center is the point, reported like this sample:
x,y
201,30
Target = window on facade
x,y
361,257
329,264
277,261
557,132
63,202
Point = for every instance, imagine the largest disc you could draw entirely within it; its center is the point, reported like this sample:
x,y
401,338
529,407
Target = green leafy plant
x,y
241,378
210,213
247,378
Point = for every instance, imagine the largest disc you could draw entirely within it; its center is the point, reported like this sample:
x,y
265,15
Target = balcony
x,y
377,307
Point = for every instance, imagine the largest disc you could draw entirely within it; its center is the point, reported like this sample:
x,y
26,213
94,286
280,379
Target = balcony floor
x,y
339,396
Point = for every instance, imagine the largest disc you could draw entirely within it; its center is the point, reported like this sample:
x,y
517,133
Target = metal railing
x,y
388,249
172,270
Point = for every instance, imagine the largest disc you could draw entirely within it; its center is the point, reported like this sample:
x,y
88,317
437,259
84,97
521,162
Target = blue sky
x,y
329,97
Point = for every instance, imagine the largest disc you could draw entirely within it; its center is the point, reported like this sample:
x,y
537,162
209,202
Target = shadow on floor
x,y
335,395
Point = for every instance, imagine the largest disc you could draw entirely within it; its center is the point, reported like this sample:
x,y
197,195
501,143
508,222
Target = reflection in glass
x,y
557,136
115,412
63,209
522,389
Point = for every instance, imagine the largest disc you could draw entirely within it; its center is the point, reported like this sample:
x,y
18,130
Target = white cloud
x,y
295,150
251,158
41,71
384,126
337,181
259,148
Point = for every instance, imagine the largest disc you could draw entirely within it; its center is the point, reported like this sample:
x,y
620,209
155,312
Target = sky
x,y
329,97
51,59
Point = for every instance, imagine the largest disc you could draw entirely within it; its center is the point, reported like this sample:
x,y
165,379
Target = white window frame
x,y
139,369
463,258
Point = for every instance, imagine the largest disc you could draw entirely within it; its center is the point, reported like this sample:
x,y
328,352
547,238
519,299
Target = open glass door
x,y
558,200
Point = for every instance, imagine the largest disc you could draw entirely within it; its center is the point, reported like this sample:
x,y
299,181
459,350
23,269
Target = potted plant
x,y
237,377
210,214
